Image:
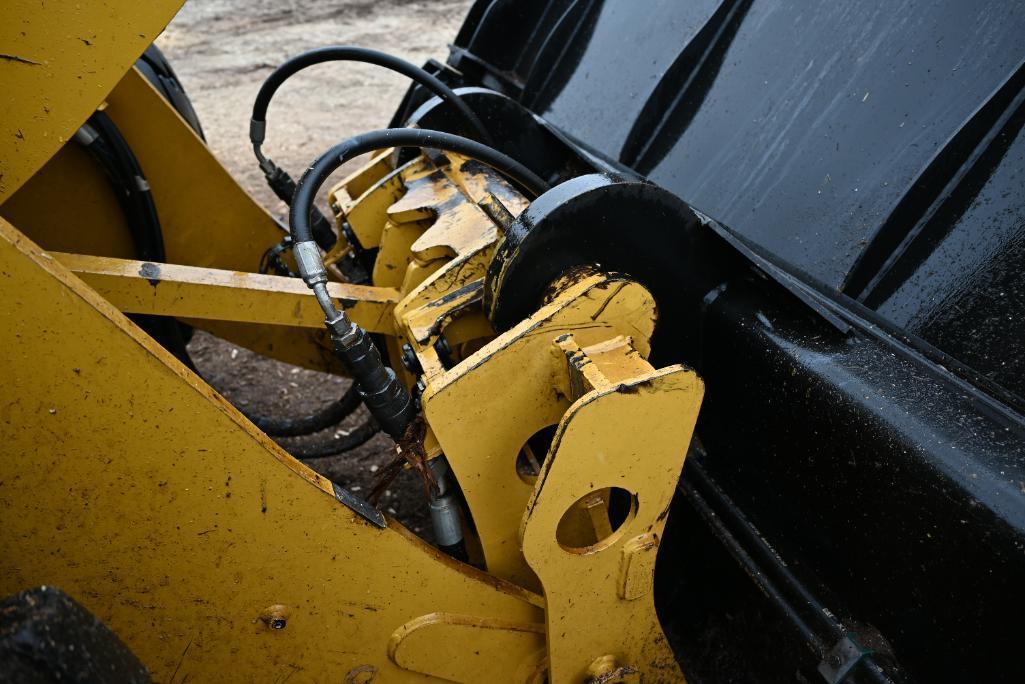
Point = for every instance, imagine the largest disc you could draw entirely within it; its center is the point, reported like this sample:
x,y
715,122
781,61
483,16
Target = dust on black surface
x,y
256,384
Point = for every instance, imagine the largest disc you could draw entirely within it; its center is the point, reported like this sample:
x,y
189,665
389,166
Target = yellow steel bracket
x,y
58,61
207,220
624,439
216,556
486,409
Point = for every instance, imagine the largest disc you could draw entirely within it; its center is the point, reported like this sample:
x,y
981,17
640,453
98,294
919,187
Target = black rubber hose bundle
x,y
128,182
332,414
279,180
130,186
332,447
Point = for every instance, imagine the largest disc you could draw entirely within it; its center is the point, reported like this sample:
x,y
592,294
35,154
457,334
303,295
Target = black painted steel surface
x,y
865,355
860,142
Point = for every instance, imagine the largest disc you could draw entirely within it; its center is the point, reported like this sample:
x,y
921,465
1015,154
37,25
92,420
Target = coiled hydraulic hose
x,y
332,447
277,178
387,399
109,147
332,414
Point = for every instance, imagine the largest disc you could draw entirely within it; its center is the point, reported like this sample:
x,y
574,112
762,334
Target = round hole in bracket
x,y
596,520
532,454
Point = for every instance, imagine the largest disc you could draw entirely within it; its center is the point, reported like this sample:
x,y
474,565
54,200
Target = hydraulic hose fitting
x,y
257,132
386,398
311,267
445,516
278,180
86,135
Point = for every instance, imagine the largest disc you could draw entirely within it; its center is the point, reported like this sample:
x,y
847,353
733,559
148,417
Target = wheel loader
x,y
701,324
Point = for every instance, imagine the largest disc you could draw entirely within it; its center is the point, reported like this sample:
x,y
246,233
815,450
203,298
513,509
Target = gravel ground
x,y
222,50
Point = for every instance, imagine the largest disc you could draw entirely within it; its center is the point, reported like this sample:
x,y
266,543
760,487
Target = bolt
x,y
442,346
275,617
410,361
418,393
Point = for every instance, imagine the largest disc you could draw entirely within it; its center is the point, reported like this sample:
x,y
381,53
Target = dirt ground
x,y
222,50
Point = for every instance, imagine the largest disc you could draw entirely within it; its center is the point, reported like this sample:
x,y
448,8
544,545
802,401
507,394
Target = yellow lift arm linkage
x,y
129,483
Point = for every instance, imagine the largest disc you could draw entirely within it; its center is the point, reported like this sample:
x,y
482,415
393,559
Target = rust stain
x,y
410,450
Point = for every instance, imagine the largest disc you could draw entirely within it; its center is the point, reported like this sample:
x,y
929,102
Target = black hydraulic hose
x,y
283,186
279,180
311,181
350,53
131,187
103,140
330,415
332,447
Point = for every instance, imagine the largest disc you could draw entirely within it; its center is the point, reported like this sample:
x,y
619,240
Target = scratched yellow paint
x,y
600,597
60,59
205,293
510,386
133,486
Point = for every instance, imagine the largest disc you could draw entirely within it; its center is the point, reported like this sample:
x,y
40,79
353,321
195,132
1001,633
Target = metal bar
x,y
728,522
757,546
215,294
765,584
